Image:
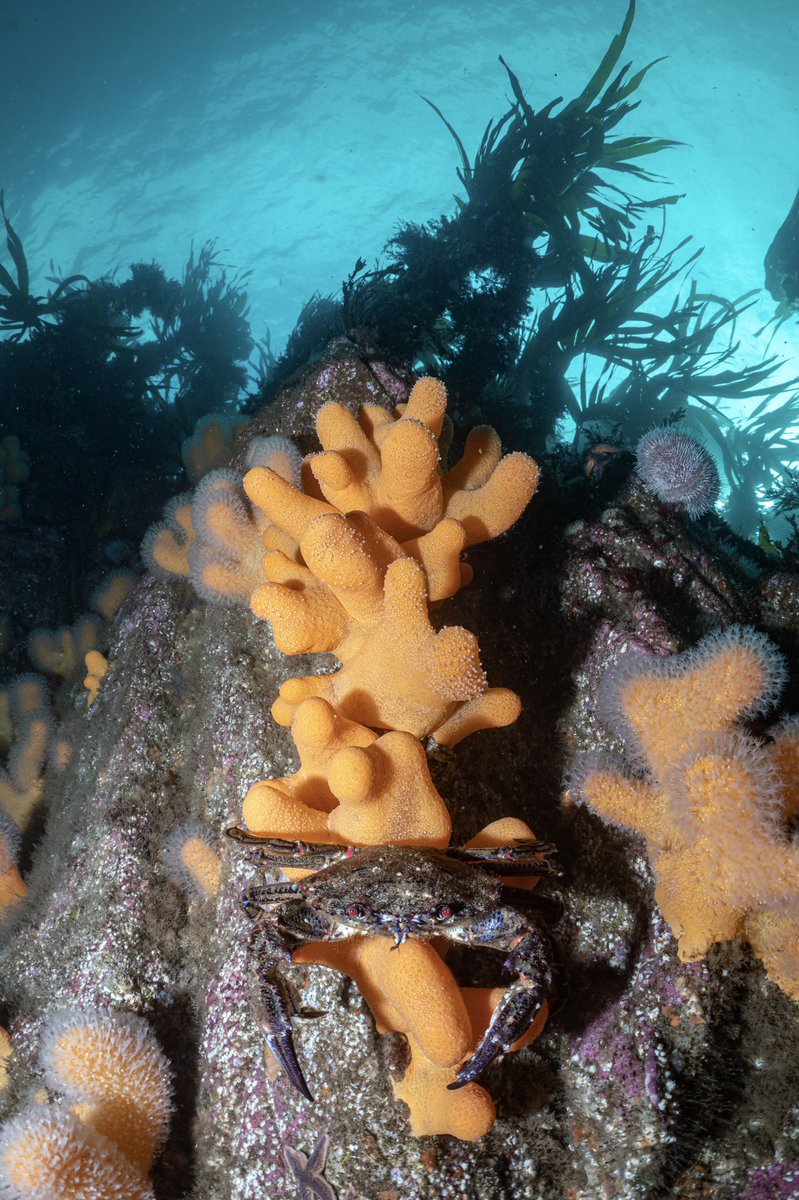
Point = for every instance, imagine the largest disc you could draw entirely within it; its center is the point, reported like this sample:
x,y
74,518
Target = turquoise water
x,y
296,136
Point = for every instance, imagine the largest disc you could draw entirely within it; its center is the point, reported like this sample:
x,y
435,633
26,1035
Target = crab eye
x,y
444,912
355,911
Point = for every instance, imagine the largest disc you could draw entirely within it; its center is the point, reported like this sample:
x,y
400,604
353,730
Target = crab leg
x,y
256,899
519,1006
273,1005
279,852
519,858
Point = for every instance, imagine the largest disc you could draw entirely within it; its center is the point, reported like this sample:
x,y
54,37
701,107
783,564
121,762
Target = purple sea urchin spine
x,y
678,470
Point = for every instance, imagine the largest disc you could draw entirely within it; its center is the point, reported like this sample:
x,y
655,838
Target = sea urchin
x,y
678,470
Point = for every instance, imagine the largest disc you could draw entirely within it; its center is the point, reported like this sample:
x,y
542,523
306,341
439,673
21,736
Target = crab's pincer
x,y
273,1011
517,1009
272,1002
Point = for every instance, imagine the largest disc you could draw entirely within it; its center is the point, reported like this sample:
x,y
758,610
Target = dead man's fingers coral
x,y
12,886
96,670
373,792
285,505
772,930
664,707
191,857
785,755
298,804
211,443
276,452
48,1154
109,596
226,556
28,693
409,989
166,544
405,675
386,794
327,604
305,616
487,510
61,651
716,801
635,805
6,1051
22,784
110,1066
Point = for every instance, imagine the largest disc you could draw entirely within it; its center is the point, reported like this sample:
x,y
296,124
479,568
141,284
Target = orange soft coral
x,y
211,444
166,545
225,558
49,1152
405,675
12,886
714,802
379,530
666,707
213,535
410,990
110,595
62,651
21,785
113,1072
355,554
96,671
6,1050
351,787
388,467
27,727
191,857
390,470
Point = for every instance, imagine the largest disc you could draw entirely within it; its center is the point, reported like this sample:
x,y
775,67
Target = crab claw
x,y
273,1008
517,1009
512,1017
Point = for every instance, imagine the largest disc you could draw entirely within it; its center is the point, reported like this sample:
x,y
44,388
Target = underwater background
x,y
334,338
296,137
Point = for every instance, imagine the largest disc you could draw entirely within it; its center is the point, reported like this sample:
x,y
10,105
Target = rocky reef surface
x,y
653,1077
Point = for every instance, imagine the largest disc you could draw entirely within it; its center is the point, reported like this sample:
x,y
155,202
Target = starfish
x,y
309,1171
